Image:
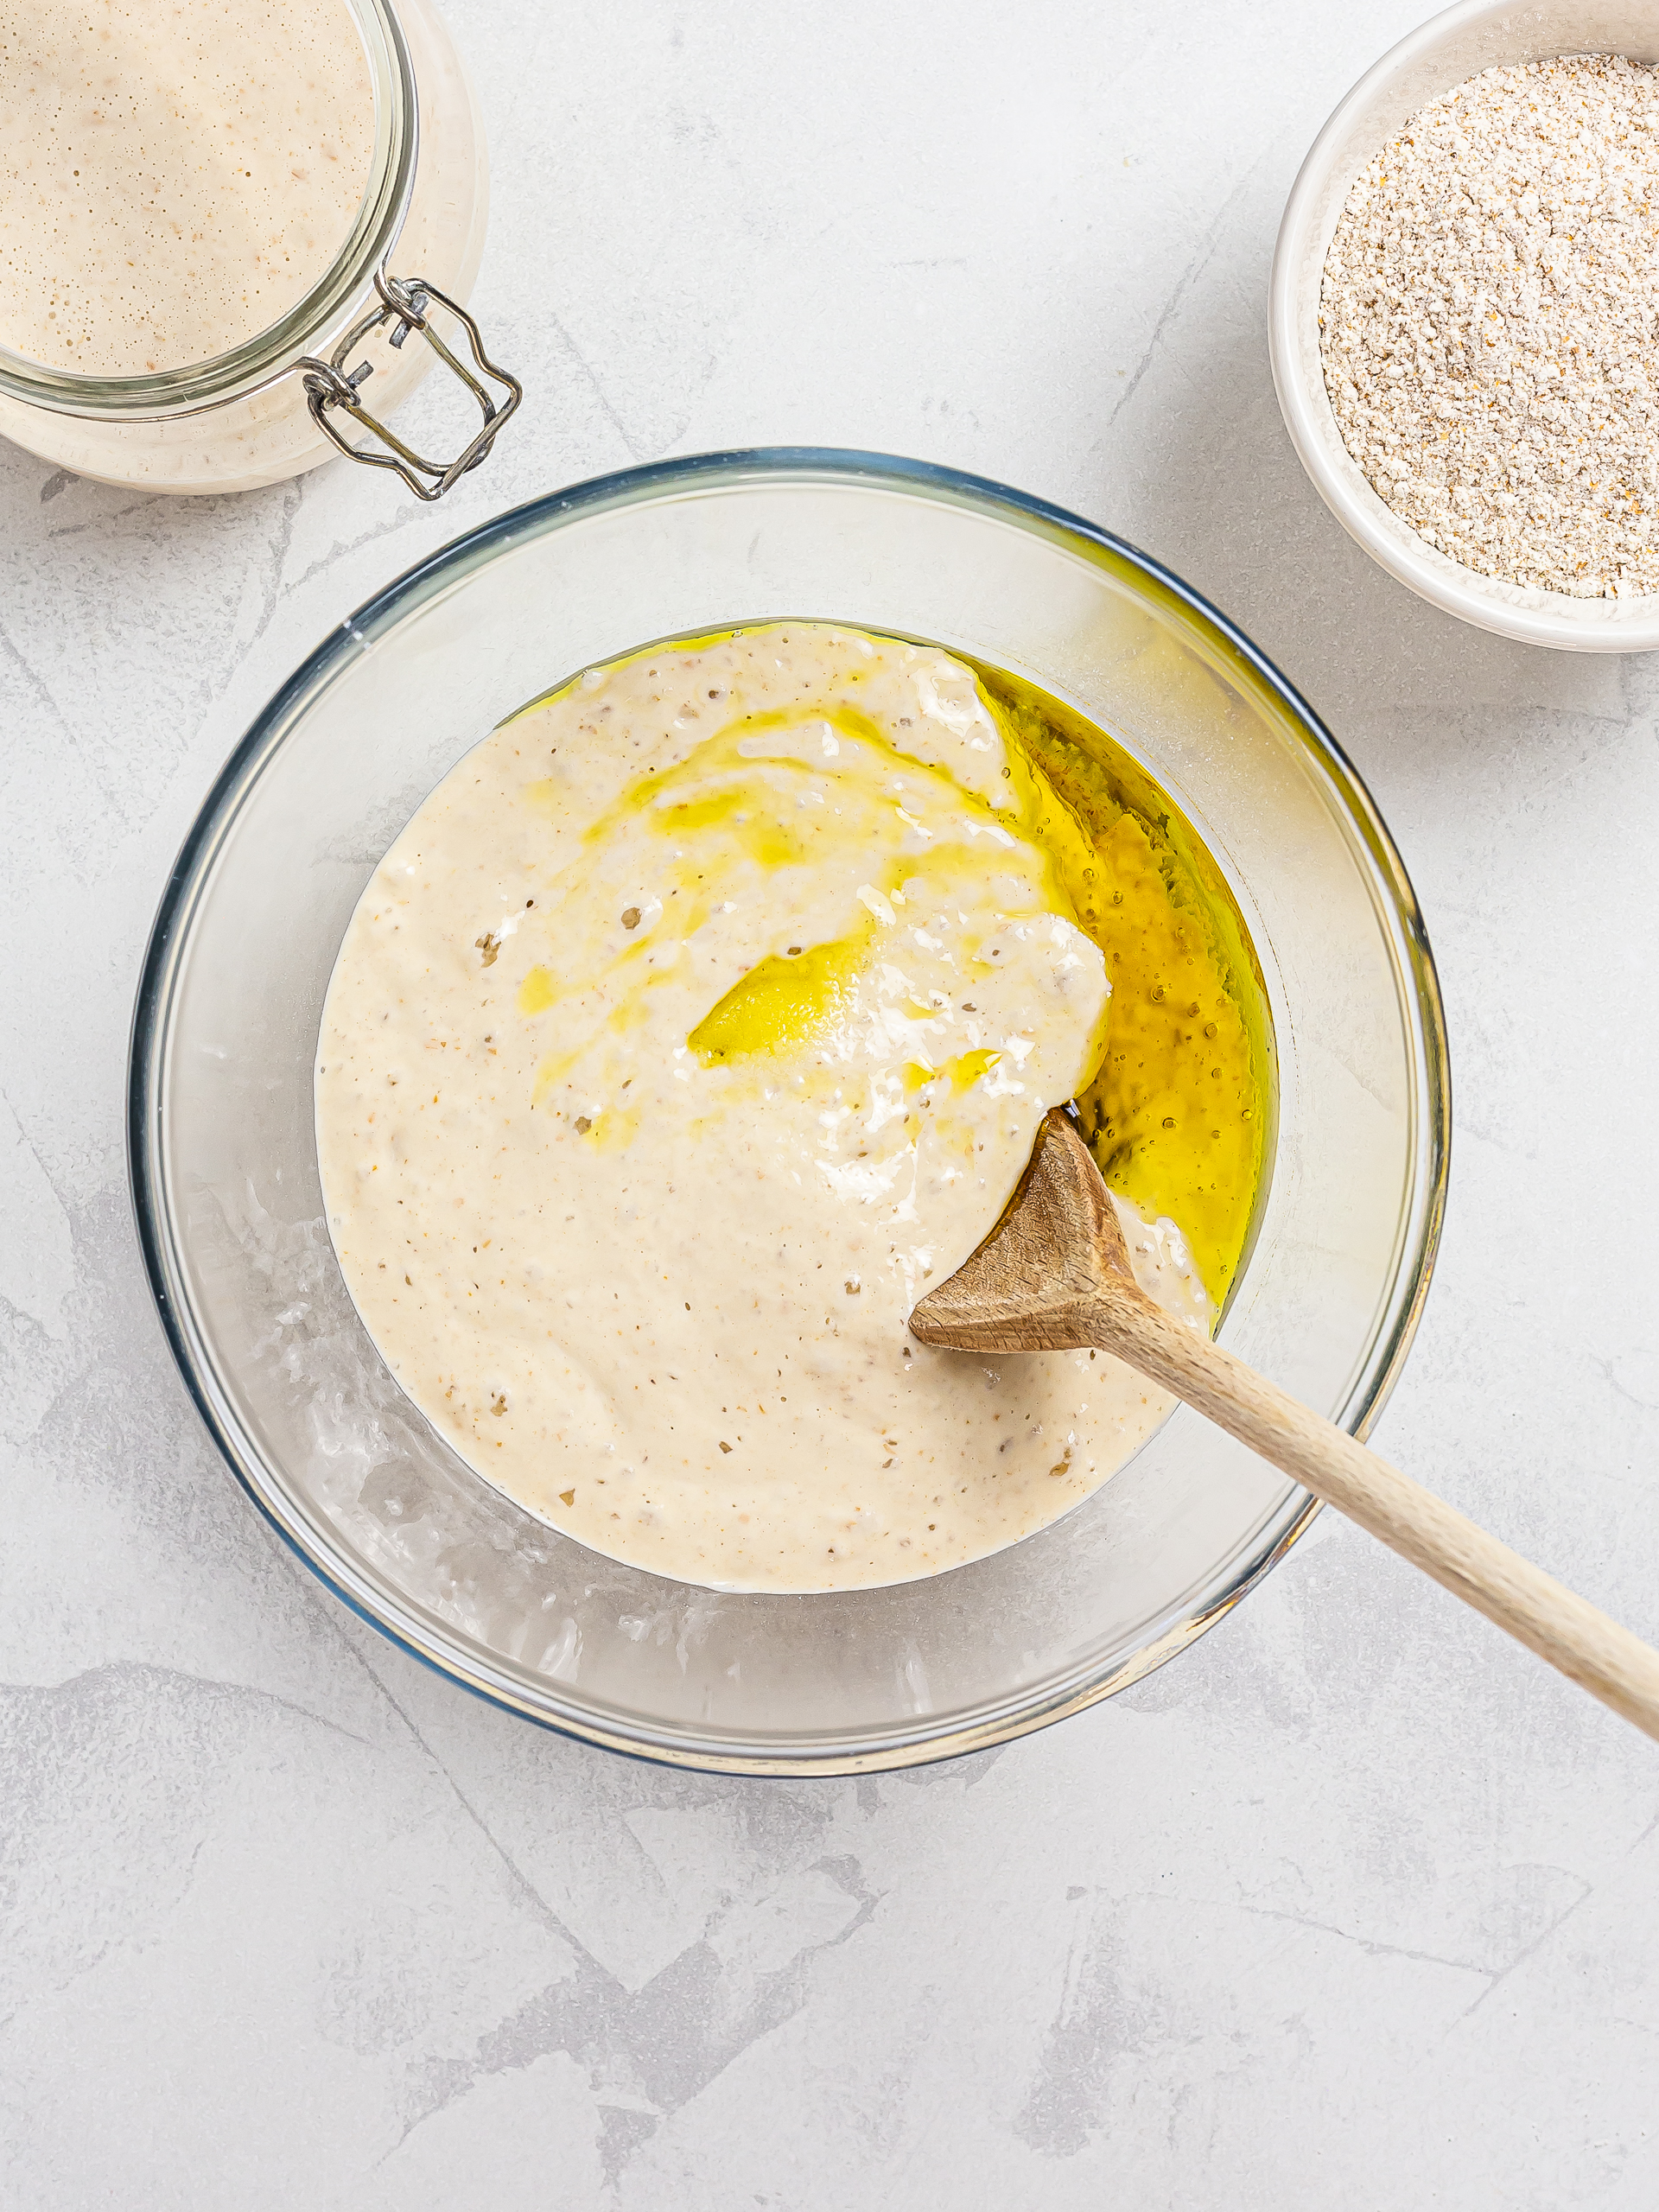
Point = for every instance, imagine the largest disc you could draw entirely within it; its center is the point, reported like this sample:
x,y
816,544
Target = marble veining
x,y
1354,1903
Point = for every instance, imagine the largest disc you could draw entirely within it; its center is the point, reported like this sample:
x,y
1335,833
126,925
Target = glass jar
x,y
293,396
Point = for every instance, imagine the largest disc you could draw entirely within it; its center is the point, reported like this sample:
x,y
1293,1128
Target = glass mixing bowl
x,y
224,1158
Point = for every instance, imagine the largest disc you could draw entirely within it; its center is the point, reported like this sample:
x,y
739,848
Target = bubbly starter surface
x,y
175,175
701,1020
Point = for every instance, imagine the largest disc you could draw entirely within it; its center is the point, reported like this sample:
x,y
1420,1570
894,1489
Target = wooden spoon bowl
x,y
1054,1275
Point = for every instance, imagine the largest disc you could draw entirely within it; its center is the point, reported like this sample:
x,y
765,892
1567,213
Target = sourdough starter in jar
x,y
175,175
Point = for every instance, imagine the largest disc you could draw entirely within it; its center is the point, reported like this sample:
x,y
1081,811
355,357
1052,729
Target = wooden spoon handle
x,y
1550,1619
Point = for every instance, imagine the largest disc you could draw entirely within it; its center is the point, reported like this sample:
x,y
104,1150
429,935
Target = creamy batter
x,y
175,175
699,1021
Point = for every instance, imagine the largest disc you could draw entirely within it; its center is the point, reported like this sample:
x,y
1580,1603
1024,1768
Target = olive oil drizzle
x,y
1176,1110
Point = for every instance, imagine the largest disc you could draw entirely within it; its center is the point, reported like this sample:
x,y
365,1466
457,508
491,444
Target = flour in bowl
x,y
1489,324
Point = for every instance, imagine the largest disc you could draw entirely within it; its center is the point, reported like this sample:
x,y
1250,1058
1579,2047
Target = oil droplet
x,y
538,992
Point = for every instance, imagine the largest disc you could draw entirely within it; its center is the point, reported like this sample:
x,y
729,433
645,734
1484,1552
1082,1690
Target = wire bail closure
x,y
329,385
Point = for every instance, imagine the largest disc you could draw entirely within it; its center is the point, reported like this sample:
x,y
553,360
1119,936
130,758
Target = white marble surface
x,y
1354,1904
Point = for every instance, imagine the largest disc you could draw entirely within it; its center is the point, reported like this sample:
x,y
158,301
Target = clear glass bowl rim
x,y
1021,1713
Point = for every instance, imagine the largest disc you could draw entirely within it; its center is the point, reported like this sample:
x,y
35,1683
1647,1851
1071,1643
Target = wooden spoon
x,y
1054,1275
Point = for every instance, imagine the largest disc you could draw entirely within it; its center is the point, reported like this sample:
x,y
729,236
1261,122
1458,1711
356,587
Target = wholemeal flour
x,y
1489,320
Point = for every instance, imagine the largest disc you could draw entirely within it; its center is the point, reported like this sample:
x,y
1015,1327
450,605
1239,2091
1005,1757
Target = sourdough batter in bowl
x,y
700,1020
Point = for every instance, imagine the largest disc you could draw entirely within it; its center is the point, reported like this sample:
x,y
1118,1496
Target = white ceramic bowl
x,y
1445,51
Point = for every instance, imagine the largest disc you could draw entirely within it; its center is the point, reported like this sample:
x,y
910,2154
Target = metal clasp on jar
x,y
330,385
